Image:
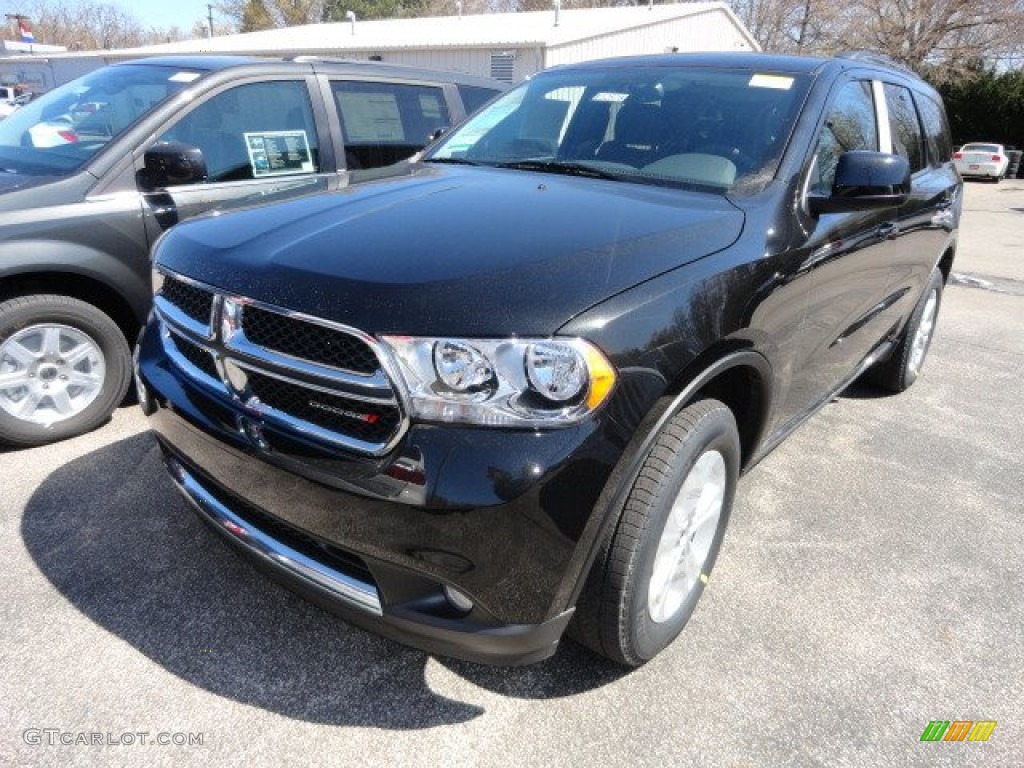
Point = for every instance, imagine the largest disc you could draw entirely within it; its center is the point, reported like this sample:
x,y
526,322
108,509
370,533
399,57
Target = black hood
x,y
454,251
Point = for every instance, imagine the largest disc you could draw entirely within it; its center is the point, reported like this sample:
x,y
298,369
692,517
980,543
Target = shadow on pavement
x,y
114,537
863,389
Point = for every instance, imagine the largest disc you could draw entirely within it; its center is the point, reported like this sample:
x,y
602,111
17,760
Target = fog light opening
x,y
458,601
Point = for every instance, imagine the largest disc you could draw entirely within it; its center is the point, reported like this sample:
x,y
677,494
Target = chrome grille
x,y
199,357
191,300
313,377
316,343
368,422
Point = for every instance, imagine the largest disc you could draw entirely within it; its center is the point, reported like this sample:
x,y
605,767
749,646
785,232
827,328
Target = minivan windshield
x,y
696,127
61,130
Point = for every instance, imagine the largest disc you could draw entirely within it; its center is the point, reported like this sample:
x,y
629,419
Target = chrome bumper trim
x,y
356,593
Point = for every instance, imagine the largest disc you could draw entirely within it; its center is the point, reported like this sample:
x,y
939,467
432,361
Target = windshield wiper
x,y
554,166
451,160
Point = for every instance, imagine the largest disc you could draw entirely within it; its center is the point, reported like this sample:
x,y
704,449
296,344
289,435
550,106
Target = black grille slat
x,y
196,355
195,302
368,422
308,341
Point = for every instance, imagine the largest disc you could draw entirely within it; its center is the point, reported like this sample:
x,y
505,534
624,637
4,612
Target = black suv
x,y
94,171
509,388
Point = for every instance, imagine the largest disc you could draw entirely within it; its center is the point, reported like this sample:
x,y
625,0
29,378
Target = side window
x,y
850,124
936,130
474,97
906,129
384,123
252,131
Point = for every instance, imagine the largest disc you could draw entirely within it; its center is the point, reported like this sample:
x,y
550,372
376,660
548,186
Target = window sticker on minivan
x,y
278,152
778,82
183,77
371,117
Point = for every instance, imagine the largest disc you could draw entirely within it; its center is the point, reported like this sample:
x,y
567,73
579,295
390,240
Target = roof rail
x,y
324,60
871,57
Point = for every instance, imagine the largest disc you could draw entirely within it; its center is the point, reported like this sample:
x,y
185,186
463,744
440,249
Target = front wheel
x,y
654,566
64,367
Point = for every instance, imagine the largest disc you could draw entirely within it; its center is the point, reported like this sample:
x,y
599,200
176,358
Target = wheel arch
x,y
69,281
741,379
743,382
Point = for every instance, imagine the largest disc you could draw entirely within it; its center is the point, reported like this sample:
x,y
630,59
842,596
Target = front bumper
x,y
359,601
504,517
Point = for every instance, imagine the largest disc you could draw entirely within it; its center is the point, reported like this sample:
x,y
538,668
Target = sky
x,y
165,13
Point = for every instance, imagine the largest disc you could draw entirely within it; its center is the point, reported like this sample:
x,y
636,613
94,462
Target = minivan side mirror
x,y
171,164
866,181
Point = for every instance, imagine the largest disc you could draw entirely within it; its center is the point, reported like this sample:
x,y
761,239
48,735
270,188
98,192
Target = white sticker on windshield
x,y
183,77
613,97
778,82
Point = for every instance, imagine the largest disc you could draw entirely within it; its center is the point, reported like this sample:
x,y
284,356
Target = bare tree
x,y
940,34
91,25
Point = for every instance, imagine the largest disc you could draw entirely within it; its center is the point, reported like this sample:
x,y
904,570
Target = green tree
x,y
335,10
986,106
255,17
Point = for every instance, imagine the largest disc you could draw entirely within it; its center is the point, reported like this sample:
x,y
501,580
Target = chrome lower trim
x,y
352,591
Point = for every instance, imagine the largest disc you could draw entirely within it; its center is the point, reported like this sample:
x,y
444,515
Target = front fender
x,y
39,258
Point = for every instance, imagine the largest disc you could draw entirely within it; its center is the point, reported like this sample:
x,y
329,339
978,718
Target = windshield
x,y
62,129
695,127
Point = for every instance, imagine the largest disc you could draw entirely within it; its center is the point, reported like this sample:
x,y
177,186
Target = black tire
x,y
901,369
78,323
614,615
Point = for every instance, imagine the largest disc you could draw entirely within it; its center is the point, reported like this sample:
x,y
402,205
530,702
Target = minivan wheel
x,y
653,568
64,367
901,369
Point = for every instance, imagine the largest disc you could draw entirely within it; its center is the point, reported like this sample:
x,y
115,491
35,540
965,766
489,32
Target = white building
x,y
508,46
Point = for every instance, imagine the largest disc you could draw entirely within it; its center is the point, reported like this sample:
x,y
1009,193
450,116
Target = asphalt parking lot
x,y
872,581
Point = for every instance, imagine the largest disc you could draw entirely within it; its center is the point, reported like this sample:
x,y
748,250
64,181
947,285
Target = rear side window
x,y
849,125
473,97
384,123
936,130
906,129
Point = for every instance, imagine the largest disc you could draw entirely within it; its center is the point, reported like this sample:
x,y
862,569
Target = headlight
x,y
502,382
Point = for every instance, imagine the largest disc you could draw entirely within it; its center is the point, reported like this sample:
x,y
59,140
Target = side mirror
x,y
439,133
866,181
171,164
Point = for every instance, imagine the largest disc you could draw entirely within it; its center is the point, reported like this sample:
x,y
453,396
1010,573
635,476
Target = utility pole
x,y
209,17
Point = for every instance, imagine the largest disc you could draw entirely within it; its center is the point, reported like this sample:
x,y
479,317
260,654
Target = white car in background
x,y
981,160
7,106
